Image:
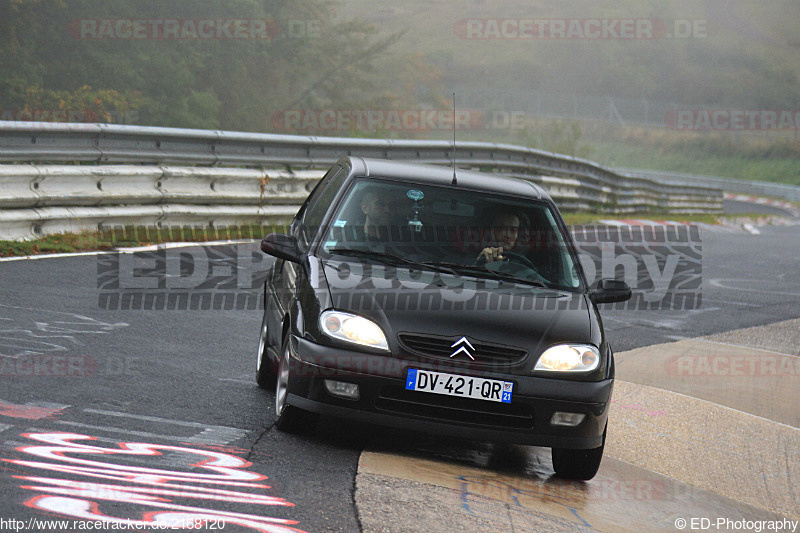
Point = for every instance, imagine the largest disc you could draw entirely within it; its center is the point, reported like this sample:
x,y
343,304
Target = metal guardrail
x,y
177,171
754,188
38,200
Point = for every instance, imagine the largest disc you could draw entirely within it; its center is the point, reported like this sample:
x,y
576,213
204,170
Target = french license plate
x,y
493,390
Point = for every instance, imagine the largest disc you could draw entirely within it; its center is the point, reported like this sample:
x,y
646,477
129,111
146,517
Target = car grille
x,y
442,347
459,410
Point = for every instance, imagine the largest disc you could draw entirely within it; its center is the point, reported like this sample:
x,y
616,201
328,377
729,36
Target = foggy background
x,y
624,83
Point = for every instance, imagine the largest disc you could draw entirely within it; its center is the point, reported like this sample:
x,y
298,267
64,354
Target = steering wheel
x,y
522,259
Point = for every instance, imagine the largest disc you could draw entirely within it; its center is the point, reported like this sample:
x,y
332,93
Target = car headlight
x,y
353,328
569,358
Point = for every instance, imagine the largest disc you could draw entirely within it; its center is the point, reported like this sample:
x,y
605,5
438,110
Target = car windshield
x,y
450,229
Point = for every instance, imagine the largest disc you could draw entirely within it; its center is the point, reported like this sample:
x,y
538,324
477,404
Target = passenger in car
x,y
379,214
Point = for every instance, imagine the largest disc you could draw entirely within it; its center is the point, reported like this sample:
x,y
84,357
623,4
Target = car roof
x,y
441,175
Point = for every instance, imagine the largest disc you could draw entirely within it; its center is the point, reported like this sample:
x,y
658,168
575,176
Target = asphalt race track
x,y
83,381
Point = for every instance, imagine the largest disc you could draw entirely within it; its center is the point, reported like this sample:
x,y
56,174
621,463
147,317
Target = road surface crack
x,y
260,436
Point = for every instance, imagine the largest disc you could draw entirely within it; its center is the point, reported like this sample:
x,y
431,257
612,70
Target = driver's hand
x,y
492,254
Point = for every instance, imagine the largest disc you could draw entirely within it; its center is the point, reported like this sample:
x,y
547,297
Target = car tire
x,y
578,464
289,418
265,375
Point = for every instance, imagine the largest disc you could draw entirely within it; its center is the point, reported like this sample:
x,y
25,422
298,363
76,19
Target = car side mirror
x,y
282,246
610,291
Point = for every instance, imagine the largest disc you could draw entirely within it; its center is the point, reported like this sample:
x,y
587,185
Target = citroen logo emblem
x,y
463,347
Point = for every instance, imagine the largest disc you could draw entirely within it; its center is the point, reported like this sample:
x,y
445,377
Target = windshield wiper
x,y
509,277
485,273
394,260
383,257
449,268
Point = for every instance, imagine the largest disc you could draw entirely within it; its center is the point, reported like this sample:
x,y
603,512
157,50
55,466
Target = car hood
x,y
440,304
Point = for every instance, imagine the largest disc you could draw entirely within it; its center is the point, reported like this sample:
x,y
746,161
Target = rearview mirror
x,y
282,246
610,291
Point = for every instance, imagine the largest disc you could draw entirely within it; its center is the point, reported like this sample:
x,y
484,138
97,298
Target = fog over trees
x,y
546,73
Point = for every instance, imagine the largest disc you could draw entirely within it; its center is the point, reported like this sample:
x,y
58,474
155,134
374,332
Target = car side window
x,y
317,205
315,192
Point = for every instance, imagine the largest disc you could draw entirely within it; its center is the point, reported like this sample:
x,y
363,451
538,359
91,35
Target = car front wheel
x,y
289,418
578,464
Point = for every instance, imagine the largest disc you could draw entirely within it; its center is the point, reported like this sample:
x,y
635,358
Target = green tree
x,y
64,50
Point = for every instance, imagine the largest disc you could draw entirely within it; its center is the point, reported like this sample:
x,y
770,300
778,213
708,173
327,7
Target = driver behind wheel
x,y
502,236
503,250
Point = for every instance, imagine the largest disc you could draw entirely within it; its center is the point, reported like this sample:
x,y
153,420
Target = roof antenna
x,y
455,181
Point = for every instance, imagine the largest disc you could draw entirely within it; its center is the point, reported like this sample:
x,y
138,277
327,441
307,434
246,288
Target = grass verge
x,y
129,236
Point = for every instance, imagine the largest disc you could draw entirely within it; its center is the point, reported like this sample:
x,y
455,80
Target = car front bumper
x,y
384,401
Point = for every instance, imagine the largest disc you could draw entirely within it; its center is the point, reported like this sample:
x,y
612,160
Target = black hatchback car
x,y
448,302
